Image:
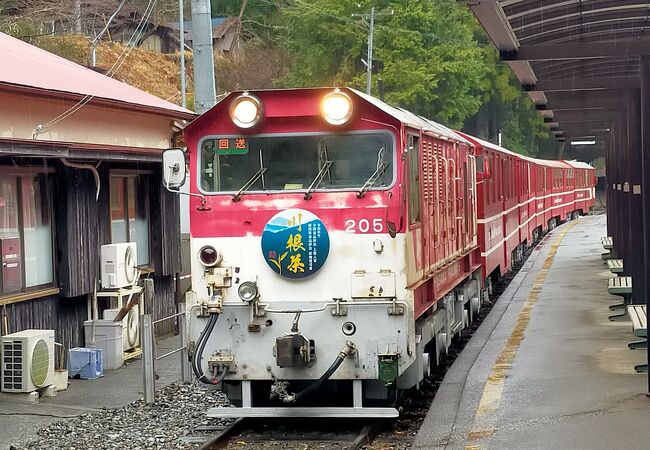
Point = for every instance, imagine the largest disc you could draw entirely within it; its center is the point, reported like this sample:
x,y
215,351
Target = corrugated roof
x,y
579,164
29,67
546,162
412,120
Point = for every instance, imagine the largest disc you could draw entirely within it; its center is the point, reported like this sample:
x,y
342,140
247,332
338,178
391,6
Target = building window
x,y
130,213
25,233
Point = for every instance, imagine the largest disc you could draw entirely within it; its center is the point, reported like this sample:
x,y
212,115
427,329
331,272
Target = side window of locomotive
x,y
479,163
414,179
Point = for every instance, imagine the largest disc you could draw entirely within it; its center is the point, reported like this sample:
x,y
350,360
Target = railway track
x,y
300,434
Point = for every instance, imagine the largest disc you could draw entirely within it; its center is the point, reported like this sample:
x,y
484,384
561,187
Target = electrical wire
x,y
117,65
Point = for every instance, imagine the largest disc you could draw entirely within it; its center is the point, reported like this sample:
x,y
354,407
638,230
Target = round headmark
x,y
295,243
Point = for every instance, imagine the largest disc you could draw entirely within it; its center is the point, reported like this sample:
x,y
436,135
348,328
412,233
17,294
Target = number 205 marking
x,y
363,225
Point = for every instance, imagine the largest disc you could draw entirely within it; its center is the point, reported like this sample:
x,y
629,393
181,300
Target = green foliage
x,y
432,63
262,18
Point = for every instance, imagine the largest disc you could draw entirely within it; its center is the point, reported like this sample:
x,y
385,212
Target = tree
x,y
432,63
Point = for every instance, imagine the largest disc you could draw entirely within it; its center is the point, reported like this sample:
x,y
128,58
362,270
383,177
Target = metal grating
x,y
12,365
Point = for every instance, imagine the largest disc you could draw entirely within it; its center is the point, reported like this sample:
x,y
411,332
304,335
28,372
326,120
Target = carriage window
x,y
479,163
414,179
294,163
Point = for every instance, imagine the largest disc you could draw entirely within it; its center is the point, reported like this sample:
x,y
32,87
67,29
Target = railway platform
x,y
547,369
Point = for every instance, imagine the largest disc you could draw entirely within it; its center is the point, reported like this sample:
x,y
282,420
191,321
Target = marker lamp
x,y
336,107
209,256
246,111
247,291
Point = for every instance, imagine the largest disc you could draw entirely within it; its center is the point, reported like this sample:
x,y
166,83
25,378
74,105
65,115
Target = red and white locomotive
x,y
340,243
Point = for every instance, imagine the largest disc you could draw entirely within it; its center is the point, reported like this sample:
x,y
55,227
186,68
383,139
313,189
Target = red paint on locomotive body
x,y
291,112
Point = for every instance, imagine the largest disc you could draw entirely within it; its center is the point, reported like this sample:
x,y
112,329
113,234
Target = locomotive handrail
x,y
446,200
326,305
454,211
436,223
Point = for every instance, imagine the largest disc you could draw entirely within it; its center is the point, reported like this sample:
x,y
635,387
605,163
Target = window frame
x,y
199,160
125,174
17,173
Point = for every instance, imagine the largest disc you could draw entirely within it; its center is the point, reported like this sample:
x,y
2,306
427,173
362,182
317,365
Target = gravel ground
x,y
178,410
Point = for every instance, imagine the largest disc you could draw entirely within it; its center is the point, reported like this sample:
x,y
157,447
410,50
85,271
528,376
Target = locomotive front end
x,y
298,268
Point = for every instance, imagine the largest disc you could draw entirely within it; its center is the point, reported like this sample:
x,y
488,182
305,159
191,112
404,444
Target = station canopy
x,y
576,59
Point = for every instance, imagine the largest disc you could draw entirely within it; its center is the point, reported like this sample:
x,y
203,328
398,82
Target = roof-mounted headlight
x,y
337,107
246,111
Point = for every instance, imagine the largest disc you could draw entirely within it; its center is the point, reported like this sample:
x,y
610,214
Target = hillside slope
x,y
155,73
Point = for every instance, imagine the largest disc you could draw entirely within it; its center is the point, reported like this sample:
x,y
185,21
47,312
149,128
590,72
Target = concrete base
x,y
16,397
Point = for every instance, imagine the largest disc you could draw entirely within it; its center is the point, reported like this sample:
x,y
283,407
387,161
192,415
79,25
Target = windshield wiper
x,y
318,180
379,171
248,184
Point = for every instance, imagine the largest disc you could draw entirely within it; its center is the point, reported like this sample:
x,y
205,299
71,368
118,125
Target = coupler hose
x,y
197,357
346,351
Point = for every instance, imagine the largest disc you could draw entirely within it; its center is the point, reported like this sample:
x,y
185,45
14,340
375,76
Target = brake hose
x,y
200,347
344,353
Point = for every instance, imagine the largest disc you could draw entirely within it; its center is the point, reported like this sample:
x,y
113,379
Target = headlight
x,y
336,107
246,111
209,256
247,291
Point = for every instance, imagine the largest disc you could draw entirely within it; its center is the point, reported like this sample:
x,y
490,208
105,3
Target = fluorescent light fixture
x,y
583,142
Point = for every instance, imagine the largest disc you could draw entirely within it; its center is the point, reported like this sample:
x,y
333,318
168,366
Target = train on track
x,y
339,244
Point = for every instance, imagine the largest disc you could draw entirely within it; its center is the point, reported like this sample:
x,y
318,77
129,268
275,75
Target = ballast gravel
x,y
178,411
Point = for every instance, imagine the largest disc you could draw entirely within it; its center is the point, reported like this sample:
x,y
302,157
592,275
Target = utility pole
x,y
371,32
181,28
205,89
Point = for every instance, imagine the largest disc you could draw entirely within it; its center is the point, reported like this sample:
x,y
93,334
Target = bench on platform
x,y
620,286
608,243
615,265
639,317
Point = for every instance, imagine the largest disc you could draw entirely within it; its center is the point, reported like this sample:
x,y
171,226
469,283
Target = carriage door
x,y
414,202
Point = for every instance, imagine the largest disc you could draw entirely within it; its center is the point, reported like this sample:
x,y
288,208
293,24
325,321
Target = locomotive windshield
x,y
297,162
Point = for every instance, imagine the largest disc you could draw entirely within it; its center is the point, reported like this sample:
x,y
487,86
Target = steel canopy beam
x,y
583,50
587,115
577,84
495,22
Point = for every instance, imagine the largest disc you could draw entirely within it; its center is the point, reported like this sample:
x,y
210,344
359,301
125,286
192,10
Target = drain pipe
x,y
90,167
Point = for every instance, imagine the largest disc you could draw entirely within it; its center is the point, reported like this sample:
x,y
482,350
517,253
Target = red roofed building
x,y
80,166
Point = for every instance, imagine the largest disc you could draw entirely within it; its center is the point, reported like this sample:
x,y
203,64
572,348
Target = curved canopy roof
x,y
576,58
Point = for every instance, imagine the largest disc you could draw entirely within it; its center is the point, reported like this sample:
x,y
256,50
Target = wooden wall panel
x,y
77,234
63,315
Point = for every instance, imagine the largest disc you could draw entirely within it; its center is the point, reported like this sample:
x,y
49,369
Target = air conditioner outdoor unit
x,y
130,326
118,265
27,360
